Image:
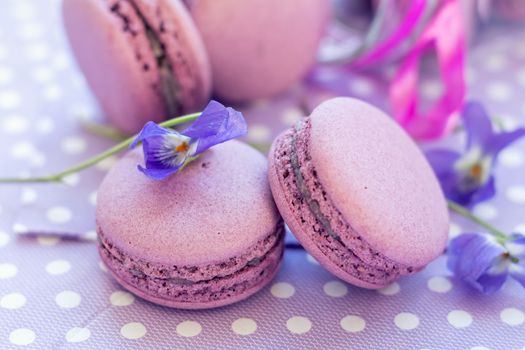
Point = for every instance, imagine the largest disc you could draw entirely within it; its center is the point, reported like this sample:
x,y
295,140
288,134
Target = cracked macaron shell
x,y
379,181
116,57
217,208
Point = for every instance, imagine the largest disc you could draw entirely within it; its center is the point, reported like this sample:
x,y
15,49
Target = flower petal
x,y
472,255
215,125
483,193
149,130
517,271
477,124
158,173
498,142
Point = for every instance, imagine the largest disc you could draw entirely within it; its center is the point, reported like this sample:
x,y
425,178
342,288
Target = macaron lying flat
x,y
143,59
358,194
258,48
207,236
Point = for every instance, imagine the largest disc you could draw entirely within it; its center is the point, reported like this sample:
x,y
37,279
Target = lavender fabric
x,y
55,294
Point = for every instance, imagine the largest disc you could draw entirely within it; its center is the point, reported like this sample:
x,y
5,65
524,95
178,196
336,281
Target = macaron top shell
x,y
379,180
258,48
216,208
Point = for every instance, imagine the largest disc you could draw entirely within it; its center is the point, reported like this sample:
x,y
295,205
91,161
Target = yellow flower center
x,y
182,148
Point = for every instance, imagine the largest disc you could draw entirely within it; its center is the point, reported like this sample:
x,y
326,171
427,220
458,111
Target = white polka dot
x,y
520,77
431,89
454,230
23,150
7,270
282,290
22,336
90,235
42,74
23,10
439,284
479,348
353,323
3,52
48,240
19,228
512,316
58,267
82,111
520,228
77,335
102,266
259,133
4,239
37,52
74,145
68,299
392,289
459,318
9,99
311,259
59,215
335,289
361,86
244,326
495,62
188,329
133,330
93,198
406,321
30,30
291,116
499,91
44,125
61,60
298,324
71,179
13,301
52,92
107,163
511,158
38,158
121,298
6,75
15,124
516,194
486,211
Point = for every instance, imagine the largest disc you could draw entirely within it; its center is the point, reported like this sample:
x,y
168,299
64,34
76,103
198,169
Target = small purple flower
x,y
166,150
485,262
468,178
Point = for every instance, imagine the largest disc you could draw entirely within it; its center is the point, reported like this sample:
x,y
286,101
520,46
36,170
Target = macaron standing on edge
x,y
259,48
144,60
358,194
207,236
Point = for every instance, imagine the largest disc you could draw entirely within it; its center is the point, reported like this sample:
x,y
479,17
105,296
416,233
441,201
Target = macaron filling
x,y
333,234
170,88
206,283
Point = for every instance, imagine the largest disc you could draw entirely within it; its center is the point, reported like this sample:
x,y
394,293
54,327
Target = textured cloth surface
x,y
54,294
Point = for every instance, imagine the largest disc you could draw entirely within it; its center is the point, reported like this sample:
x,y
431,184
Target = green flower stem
x,y
461,210
58,177
105,131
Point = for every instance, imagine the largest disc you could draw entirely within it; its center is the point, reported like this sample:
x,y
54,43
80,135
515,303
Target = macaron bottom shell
x,y
315,221
220,290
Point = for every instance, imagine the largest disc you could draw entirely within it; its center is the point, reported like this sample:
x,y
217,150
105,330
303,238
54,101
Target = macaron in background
x,y
143,59
205,237
358,194
259,48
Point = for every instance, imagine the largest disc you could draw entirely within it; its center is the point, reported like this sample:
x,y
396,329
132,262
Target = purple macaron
x,y
358,194
205,237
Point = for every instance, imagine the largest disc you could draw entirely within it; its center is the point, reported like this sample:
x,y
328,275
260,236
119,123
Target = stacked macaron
x,y
149,60
205,237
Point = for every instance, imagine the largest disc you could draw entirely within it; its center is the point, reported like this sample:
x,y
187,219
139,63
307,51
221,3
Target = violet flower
x,y
166,151
485,262
468,178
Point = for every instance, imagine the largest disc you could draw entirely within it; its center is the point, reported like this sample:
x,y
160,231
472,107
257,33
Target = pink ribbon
x,y
445,36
